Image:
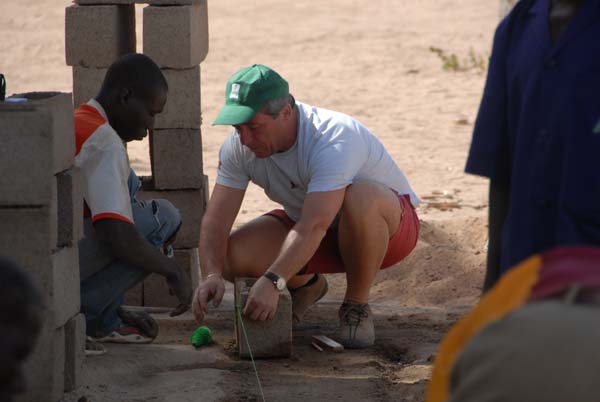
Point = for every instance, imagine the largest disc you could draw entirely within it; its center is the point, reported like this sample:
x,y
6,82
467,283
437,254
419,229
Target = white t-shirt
x,y
102,159
332,150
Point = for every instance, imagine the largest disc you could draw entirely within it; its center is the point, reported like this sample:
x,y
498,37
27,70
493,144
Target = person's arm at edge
x,y
127,244
318,212
222,209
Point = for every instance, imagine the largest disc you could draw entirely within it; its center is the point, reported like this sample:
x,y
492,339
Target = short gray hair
x,y
274,106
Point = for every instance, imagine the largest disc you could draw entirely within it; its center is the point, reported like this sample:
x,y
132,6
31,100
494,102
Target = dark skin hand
x,y
561,14
128,244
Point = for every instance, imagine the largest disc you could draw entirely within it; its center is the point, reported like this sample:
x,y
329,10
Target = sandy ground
x,y
370,60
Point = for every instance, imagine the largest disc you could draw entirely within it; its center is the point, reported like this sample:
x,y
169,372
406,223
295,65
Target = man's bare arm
x,y
303,240
224,205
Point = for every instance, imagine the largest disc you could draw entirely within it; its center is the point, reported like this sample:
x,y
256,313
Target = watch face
x,y
280,284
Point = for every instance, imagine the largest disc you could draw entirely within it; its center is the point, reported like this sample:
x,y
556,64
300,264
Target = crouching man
x,y
347,207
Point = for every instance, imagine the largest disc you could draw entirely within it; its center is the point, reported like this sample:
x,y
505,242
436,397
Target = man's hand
x,y
262,300
180,285
212,288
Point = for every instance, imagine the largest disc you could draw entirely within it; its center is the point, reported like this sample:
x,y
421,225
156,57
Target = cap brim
x,y
234,114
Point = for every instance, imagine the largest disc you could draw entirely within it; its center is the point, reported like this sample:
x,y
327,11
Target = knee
x,y
168,217
237,262
360,200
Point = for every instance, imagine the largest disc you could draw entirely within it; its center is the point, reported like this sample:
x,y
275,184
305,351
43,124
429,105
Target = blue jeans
x,y
105,279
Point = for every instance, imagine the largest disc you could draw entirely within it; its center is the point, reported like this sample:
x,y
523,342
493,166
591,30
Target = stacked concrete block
x,y
262,339
177,159
42,218
176,38
96,34
184,25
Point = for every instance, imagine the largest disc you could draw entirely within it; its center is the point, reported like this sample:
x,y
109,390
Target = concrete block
x,y
182,109
28,236
172,2
44,369
106,2
74,352
191,205
176,159
86,83
135,295
156,290
65,294
70,207
38,141
95,36
267,339
186,26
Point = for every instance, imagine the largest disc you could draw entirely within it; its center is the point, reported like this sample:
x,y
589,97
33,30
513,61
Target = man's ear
x,y
286,112
124,96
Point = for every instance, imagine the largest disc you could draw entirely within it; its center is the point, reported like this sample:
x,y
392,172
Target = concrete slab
x,y
157,373
176,159
185,25
95,36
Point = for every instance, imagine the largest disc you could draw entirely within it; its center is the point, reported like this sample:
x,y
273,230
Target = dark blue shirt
x,y
535,130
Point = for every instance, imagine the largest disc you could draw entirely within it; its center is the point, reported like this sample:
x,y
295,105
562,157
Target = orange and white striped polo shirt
x,y
102,158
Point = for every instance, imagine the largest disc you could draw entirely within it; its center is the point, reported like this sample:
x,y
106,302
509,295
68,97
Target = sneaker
x,y
141,320
356,326
305,296
125,334
93,348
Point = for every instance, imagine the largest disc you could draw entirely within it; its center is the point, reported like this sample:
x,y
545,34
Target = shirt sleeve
x,y
489,152
230,172
106,191
335,165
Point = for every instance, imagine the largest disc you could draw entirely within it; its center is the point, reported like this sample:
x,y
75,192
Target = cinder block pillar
x,y
41,215
267,339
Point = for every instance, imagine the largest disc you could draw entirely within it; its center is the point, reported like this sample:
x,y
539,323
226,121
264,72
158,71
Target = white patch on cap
x,y
235,91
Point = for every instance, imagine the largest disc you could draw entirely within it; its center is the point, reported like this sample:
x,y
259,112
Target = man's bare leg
x,y
370,216
253,247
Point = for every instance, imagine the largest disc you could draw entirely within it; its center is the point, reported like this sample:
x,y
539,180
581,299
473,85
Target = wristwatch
x,y
278,281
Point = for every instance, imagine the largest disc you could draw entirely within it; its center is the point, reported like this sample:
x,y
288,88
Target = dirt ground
x,y
373,61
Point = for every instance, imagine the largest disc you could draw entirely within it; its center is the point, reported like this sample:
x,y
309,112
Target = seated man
x,y
124,237
347,206
20,321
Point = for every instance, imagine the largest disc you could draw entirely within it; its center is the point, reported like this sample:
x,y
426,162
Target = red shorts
x,y
327,258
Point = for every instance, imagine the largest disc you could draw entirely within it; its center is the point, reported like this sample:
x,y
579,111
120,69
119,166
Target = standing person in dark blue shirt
x,y
537,135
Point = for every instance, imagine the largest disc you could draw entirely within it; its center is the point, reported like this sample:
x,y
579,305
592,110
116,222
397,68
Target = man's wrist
x,y
213,274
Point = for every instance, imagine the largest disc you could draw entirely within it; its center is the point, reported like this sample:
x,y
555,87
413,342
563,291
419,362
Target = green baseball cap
x,y
247,92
